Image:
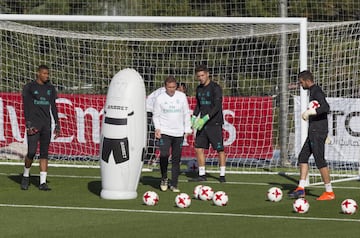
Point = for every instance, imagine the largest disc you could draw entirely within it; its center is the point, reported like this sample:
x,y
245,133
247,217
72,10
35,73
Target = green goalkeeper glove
x,y
193,120
199,124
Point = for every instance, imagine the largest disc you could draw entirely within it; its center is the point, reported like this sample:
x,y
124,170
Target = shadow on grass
x,y
194,175
95,187
290,187
150,181
34,180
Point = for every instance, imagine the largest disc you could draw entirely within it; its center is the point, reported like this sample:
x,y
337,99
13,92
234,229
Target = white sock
x,y
43,177
328,187
302,183
26,172
222,170
201,170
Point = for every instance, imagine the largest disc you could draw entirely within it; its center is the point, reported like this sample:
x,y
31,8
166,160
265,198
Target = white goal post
x,y
236,44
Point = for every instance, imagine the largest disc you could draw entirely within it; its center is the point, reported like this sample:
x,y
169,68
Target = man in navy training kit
x,y
315,141
208,120
39,99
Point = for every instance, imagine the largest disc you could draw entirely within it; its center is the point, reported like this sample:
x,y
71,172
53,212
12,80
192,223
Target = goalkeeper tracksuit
x,y
209,102
38,101
171,116
318,130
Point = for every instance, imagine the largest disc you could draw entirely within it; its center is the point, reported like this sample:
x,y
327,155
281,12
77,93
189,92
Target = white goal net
x,y
255,62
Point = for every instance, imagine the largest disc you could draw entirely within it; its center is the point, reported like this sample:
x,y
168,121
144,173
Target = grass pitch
x,y
74,208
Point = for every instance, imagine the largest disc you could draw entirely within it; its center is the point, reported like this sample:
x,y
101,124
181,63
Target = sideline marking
x,y
179,213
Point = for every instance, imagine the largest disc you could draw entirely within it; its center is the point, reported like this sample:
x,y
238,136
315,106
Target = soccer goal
x,y
255,60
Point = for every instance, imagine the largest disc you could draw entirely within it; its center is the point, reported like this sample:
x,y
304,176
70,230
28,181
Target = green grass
x,y
74,208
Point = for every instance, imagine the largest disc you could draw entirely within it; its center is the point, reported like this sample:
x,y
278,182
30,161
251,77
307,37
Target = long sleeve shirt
x,y
209,101
319,122
172,114
38,101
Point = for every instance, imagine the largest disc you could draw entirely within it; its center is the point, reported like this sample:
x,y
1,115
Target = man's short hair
x,y
170,79
41,67
201,67
306,75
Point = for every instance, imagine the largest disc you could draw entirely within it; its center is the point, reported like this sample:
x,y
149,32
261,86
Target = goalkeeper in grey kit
x,y
208,120
39,100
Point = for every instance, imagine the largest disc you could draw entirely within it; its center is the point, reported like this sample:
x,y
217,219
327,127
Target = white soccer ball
x,y
206,193
150,198
197,191
313,104
192,166
349,206
301,205
274,194
220,198
183,200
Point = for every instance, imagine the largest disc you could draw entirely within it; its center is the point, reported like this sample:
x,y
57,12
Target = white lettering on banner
x,y
2,134
62,116
14,123
344,128
229,128
80,123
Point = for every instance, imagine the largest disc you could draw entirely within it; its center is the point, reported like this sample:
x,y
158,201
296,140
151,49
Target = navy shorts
x,y
210,135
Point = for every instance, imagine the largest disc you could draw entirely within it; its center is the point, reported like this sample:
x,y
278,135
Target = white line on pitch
x,y
179,213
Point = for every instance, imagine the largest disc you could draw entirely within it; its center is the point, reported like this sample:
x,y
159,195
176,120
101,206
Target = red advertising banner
x,y
247,128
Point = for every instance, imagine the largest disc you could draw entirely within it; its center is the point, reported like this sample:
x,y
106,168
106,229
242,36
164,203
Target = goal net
x,y
255,62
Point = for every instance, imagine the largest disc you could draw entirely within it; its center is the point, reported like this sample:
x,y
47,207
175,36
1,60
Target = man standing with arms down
x,y
172,122
315,141
208,120
39,99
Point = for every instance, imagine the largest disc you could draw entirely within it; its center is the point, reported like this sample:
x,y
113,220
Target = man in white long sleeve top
x,y
171,117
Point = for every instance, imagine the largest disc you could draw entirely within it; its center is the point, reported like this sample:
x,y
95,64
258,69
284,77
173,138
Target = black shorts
x,y
315,145
43,137
210,135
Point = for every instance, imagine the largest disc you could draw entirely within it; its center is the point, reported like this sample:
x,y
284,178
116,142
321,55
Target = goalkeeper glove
x,y
199,124
193,120
307,113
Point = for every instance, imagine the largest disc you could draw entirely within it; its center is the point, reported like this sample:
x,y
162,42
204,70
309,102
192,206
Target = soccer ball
x,y
220,198
192,166
274,194
150,198
182,200
206,193
197,191
349,206
301,205
313,104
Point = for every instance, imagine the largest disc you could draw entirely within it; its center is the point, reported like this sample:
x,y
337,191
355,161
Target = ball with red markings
x,y
197,191
301,205
349,206
206,193
274,194
183,200
150,198
220,198
313,104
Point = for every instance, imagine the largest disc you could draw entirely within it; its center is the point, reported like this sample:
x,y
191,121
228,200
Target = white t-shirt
x,y
150,100
172,114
